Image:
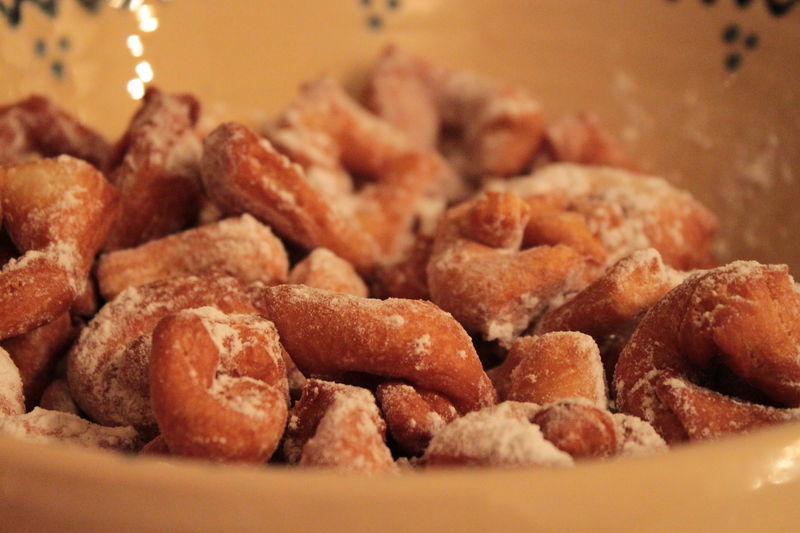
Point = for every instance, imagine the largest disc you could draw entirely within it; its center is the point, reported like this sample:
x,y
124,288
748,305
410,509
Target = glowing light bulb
x,y
135,45
136,88
148,25
144,71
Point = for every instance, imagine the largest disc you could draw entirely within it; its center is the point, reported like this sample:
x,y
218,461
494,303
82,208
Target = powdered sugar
x,y
422,345
624,209
348,436
252,398
62,254
41,425
108,366
496,436
11,400
396,320
637,437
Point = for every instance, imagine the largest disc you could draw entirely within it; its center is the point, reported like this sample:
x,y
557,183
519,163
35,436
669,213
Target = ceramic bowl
x,y
701,92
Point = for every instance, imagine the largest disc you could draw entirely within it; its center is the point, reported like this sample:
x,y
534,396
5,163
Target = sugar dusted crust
x,y
218,385
629,211
496,436
353,290
403,339
745,316
108,365
57,212
11,399
239,247
497,289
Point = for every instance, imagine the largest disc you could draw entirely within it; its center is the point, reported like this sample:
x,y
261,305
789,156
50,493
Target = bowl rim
x,y
668,486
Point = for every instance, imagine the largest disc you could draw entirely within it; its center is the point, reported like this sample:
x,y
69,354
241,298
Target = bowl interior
x,y
703,93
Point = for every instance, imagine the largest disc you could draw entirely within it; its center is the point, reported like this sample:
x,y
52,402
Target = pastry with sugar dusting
x,y
108,365
627,211
156,170
240,247
368,171
35,127
413,416
330,335
245,173
479,272
554,366
497,127
323,269
337,426
579,428
35,352
218,385
736,328
57,213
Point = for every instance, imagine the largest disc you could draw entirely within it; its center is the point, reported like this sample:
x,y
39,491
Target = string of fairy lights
x,y
147,21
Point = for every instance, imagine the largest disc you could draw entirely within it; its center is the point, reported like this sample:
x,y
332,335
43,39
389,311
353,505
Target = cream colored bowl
x,y
702,92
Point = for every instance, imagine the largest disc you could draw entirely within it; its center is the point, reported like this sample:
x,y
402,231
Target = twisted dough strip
x,y
57,212
550,367
156,170
413,416
218,385
478,272
108,366
627,211
579,428
338,143
609,308
707,414
630,286
581,138
743,316
500,126
337,426
322,269
36,127
239,247
403,339
244,173
35,352
85,304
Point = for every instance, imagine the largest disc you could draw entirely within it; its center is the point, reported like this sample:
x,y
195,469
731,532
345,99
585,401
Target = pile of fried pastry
x,y
430,274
